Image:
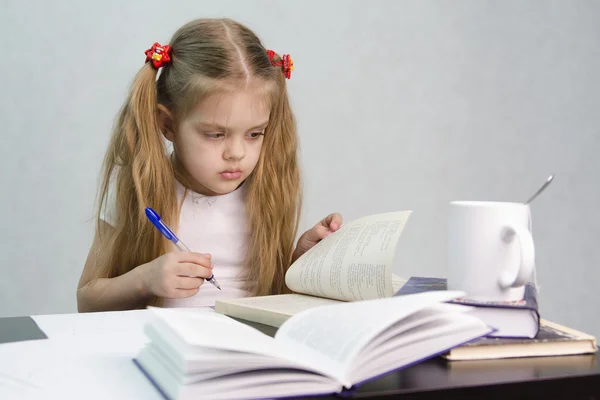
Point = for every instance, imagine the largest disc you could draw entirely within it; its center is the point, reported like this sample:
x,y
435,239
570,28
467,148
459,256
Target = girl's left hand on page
x,y
314,235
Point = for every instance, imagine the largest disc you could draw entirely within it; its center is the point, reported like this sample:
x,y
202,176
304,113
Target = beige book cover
x,y
552,339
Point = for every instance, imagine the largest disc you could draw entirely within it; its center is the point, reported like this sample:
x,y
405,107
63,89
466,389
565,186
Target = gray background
x,y
400,104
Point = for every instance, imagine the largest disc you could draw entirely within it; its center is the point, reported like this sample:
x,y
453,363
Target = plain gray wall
x,y
400,105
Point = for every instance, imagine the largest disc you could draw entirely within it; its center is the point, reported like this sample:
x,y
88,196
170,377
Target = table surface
x,y
542,377
569,377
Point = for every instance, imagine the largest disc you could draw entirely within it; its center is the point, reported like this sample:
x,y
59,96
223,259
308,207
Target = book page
x,y
338,332
284,304
213,338
269,310
398,282
354,263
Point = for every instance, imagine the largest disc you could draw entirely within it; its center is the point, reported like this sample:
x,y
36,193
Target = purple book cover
x,y
417,284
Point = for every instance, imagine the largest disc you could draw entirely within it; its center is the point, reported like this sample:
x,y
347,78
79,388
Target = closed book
x,y
552,340
510,319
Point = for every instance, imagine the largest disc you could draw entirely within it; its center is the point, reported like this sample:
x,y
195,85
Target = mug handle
x,y
511,278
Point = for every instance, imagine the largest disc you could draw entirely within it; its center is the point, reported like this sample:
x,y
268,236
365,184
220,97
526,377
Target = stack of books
x,y
519,329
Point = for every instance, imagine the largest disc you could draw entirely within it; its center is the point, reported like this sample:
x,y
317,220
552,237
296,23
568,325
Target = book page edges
x,y
253,314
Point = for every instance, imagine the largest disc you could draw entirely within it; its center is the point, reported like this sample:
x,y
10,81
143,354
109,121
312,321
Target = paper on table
x,y
87,368
85,356
121,324
110,323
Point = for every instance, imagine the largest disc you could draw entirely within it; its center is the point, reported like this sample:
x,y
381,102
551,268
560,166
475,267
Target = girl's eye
x,y
214,135
256,135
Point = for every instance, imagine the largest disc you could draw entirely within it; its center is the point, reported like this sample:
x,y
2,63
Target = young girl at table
x,y
229,189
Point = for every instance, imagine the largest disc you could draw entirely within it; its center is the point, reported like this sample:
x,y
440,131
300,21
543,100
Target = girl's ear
x,y
167,125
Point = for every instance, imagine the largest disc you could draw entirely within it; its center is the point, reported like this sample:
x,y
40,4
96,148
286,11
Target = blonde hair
x,y
207,55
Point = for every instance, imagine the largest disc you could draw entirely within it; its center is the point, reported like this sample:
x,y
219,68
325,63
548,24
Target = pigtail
x,y
138,169
274,201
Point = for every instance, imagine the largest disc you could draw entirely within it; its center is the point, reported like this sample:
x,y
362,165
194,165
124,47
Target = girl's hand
x,y
176,274
314,235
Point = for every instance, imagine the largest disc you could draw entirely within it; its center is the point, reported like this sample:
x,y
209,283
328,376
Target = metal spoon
x,y
541,189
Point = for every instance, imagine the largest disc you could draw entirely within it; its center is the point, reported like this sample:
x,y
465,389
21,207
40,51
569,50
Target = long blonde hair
x,y
206,54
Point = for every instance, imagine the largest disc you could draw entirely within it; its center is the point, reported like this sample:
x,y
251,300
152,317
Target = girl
x,y
230,187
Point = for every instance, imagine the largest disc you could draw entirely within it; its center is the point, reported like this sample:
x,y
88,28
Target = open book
x,y
353,263
195,354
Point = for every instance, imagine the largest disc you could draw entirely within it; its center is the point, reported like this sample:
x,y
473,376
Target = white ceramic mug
x,y
491,254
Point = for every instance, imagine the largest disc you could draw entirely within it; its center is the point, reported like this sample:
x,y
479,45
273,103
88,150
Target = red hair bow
x,y
159,55
286,63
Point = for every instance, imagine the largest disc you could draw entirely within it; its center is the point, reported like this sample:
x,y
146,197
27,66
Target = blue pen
x,y
155,219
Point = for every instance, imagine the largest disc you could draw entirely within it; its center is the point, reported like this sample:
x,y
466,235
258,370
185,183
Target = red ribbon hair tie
x,y
286,63
158,55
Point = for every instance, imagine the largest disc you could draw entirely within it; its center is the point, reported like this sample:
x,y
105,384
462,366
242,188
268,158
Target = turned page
x,y
354,263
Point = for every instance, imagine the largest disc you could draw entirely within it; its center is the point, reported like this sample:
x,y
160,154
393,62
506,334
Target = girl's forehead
x,y
240,108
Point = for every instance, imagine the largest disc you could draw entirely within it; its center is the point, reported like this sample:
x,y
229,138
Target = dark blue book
x,y
511,319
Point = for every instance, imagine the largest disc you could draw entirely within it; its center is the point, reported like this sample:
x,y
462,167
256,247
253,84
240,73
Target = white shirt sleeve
x,y
108,210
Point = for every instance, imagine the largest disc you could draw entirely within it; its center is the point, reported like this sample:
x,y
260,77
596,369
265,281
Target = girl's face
x,y
218,144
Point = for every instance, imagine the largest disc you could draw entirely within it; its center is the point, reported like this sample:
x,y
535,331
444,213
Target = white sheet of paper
x,y
86,356
112,323
86,368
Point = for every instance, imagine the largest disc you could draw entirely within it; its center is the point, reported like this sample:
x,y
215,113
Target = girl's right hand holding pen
x,y
176,274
